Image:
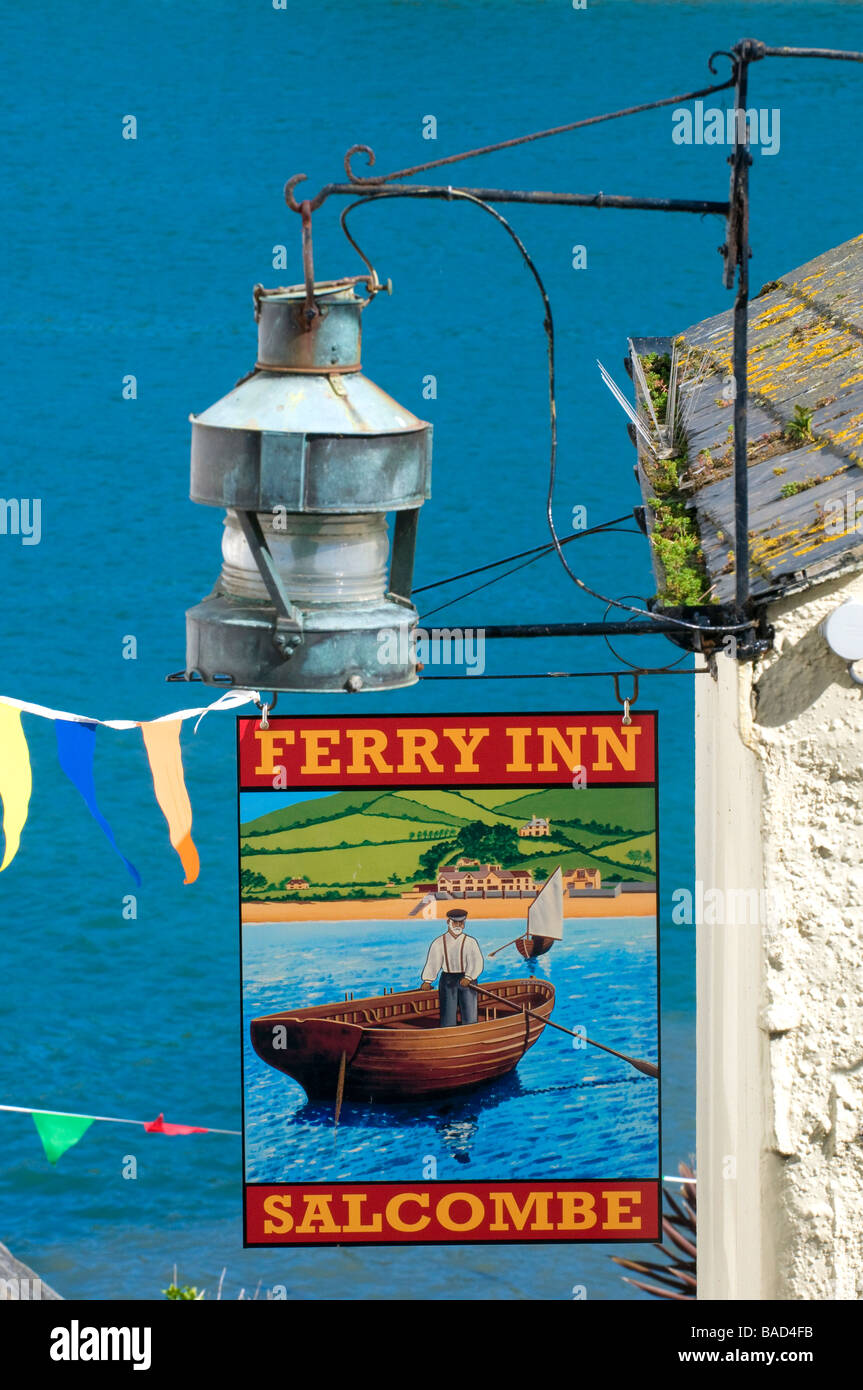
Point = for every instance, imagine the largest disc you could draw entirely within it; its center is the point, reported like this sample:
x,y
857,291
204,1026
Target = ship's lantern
x,y
307,457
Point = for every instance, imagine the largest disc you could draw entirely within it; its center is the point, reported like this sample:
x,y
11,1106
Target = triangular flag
x,y
16,780
159,1126
59,1132
76,744
162,742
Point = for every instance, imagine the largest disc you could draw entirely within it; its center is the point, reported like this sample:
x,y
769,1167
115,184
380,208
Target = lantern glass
x,y
320,559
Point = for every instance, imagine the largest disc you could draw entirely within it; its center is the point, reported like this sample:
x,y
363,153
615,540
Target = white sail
x,y
545,914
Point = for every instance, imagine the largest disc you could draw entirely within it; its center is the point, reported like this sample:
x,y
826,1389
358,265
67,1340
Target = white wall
x,y
779,806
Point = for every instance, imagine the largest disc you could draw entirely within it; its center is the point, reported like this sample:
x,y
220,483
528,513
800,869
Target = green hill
x,y
321,808
420,807
367,866
644,845
359,840
632,808
542,864
490,797
351,830
461,808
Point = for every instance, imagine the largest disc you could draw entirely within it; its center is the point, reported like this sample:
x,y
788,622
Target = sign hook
x,y
265,707
627,700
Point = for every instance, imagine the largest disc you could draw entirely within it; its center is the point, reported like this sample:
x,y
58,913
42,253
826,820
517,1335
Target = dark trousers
x,y
454,996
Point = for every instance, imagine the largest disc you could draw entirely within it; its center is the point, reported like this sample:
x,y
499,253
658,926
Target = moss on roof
x,y
805,430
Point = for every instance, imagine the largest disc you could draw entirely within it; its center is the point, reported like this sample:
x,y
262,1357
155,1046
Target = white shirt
x,y
454,954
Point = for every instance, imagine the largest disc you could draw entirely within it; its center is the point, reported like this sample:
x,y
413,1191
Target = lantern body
x,y
307,457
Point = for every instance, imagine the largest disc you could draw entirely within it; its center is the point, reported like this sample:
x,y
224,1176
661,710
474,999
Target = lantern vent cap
x,y
307,404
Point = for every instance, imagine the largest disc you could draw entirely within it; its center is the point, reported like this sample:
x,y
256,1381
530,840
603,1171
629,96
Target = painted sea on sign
x,y
565,1111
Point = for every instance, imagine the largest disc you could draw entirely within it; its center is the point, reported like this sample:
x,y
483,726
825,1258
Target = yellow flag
x,y
16,779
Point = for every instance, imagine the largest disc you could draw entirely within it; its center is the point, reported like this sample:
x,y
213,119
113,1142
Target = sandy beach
x,y
384,909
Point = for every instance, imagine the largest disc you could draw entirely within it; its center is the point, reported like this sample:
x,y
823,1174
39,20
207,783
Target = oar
x,y
508,943
340,1089
647,1068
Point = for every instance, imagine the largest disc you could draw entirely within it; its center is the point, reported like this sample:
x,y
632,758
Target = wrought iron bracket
x,y
736,252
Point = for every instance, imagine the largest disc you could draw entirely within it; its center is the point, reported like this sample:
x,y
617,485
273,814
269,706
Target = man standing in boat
x,y
459,960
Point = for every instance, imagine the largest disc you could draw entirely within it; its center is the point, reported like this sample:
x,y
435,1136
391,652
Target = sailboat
x,y
544,920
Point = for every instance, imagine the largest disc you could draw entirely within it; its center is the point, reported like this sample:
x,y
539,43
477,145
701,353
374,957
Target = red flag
x,y
158,1126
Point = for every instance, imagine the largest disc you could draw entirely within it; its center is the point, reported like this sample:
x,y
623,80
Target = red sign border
x,y
650,1188
587,1184
488,777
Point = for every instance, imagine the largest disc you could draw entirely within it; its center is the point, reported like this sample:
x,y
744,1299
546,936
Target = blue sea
x,y
565,1112
138,258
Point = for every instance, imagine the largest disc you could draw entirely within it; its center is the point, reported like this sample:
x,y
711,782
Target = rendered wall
x,y
779,806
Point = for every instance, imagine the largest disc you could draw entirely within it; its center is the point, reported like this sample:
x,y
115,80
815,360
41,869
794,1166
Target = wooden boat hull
x,y
393,1045
530,946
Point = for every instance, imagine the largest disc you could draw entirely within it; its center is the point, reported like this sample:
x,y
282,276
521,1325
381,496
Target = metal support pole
x,y
374,192
737,250
640,628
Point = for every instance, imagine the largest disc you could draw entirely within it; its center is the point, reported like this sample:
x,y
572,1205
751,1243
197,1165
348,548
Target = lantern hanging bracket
x,y
288,630
310,310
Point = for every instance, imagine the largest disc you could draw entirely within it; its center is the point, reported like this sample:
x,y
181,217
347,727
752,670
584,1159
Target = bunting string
x,y
76,751
60,1130
229,699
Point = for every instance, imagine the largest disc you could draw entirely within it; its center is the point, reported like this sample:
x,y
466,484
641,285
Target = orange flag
x,y
162,742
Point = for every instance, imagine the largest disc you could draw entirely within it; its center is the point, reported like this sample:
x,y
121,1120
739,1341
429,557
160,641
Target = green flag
x,y
59,1132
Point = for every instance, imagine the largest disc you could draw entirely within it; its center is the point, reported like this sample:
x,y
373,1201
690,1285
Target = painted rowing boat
x,y
393,1046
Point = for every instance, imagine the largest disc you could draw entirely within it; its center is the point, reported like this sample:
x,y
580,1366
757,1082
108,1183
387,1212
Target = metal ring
x,y
320,370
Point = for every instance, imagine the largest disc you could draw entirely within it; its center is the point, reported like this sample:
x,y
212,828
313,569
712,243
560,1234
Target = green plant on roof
x,y
657,370
675,541
674,534
799,428
802,485
666,475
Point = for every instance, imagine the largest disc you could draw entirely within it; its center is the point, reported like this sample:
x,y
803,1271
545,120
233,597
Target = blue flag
x,y
76,743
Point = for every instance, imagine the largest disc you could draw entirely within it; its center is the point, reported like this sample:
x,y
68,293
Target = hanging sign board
x,y
449,979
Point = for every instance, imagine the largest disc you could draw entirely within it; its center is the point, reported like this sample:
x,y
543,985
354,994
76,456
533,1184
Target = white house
x,y
779,803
